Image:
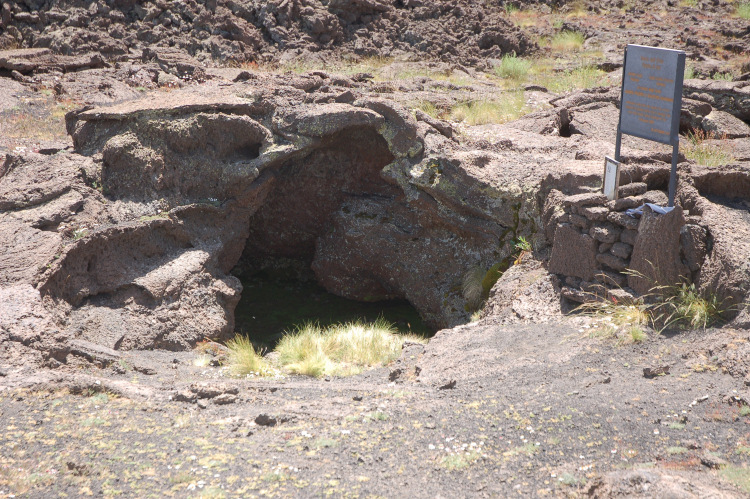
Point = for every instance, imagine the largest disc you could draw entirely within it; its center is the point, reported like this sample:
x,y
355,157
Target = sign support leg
x,y
673,174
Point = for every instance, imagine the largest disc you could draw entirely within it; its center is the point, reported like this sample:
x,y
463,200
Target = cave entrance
x,y
281,290
273,303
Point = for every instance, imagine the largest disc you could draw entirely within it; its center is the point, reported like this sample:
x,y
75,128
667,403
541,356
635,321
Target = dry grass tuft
x,y
342,349
244,359
481,112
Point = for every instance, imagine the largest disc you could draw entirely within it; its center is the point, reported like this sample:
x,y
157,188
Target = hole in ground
x,y
273,303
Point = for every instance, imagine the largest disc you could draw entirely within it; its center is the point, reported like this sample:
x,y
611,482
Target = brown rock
x,y
629,236
604,247
579,221
612,261
724,125
621,297
622,250
607,233
610,278
656,254
656,197
625,203
585,199
623,220
573,254
577,295
551,213
632,189
594,213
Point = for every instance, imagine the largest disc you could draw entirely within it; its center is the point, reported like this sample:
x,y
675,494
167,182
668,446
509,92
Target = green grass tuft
x,y
341,349
512,67
577,79
743,10
685,308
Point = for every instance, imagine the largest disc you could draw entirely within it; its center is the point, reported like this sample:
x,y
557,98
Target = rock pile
x,y
601,251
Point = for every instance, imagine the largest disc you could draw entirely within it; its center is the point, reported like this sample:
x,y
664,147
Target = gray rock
x,y
604,247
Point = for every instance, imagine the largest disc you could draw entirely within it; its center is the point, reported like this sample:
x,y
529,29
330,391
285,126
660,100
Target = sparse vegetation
x,y
567,41
743,10
516,68
244,359
738,475
481,112
576,79
685,307
700,149
342,349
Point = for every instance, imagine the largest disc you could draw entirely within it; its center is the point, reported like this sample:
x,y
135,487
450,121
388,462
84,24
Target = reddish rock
x,y
623,220
585,199
629,236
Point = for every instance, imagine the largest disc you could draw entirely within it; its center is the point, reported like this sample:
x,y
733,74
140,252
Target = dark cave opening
x,y
280,288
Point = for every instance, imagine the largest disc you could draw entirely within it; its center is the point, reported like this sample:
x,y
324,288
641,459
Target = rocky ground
x,y
151,160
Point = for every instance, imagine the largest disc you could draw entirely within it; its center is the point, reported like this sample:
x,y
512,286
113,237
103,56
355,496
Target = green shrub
x,y
515,68
743,10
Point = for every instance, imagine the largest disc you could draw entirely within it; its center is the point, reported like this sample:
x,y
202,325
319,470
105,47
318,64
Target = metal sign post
x,y
651,99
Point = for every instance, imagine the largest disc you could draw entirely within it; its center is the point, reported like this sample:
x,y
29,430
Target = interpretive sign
x,y
652,93
651,99
611,178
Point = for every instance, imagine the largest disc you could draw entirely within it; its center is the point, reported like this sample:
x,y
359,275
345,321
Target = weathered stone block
x,y
623,220
612,261
585,199
573,253
656,254
629,236
633,189
595,213
621,250
606,233
579,221
656,197
693,241
626,203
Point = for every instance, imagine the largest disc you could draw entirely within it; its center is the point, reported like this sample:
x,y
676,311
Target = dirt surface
x,y
584,421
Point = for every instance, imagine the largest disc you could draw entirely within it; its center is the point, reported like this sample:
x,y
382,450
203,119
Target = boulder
x,y
721,124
